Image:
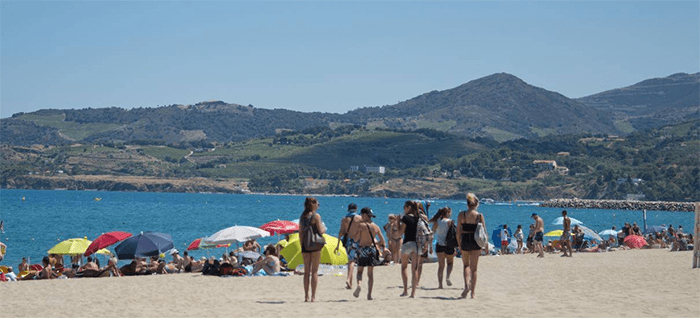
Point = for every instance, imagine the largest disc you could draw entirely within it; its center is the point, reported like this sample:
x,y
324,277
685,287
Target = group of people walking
x,y
410,238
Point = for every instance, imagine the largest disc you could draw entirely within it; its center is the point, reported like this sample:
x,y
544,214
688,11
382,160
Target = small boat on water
x,y
97,199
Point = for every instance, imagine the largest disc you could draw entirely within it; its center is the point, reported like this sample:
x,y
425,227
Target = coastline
x,y
634,283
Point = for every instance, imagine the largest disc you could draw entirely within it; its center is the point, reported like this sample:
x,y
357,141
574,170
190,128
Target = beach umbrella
x,y
496,236
74,246
198,243
555,233
560,221
590,235
635,241
654,229
236,234
106,239
608,232
292,252
280,227
145,244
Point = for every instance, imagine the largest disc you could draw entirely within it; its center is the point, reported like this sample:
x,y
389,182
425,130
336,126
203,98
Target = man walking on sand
x,y
347,235
367,251
565,238
539,234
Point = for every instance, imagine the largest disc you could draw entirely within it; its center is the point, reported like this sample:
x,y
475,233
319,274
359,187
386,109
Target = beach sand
x,y
633,283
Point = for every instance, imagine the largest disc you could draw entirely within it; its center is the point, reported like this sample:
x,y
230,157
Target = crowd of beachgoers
x,y
408,240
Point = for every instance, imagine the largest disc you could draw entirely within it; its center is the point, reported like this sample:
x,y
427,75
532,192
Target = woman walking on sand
x,y
466,226
441,224
408,225
311,259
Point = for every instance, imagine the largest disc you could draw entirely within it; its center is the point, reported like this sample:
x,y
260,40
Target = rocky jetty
x,y
620,205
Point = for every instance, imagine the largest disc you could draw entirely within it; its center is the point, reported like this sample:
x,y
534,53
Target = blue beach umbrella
x,y
560,221
608,232
654,229
145,244
496,236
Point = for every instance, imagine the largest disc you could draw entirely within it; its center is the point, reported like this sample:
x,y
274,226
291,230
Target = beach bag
x,y
451,237
480,234
423,234
313,242
344,239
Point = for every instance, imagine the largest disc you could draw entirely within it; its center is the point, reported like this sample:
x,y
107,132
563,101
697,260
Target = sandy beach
x,y
632,283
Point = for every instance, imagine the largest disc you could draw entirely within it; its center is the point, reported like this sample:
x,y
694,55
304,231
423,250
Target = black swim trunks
x,y
539,236
366,255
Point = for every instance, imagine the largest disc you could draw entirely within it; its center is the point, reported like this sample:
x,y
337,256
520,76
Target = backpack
x,y
451,237
423,234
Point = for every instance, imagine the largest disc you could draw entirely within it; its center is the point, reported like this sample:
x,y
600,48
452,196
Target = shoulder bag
x,y
313,241
480,234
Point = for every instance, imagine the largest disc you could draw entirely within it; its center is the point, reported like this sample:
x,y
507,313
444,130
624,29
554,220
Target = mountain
x,y
500,106
651,103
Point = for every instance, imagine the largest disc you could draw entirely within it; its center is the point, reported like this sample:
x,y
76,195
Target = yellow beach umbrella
x,y
556,233
74,246
292,252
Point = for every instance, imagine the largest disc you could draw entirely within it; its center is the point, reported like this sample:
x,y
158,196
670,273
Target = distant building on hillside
x,y
354,168
563,154
545,164
379,169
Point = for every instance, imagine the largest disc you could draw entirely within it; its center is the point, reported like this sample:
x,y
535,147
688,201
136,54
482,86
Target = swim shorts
x,y
539,237
366,255
351,249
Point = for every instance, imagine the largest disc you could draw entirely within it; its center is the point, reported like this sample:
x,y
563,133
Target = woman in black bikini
x,y
466,226
311,259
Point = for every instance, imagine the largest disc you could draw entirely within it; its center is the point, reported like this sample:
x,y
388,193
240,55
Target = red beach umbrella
x,y
280,227
194,245
635,241
106,239
197,244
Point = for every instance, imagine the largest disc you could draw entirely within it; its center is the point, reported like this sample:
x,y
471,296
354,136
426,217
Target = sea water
x,y
36,220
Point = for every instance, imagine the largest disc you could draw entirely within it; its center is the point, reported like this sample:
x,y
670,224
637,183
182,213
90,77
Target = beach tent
x,y
292,252
496,236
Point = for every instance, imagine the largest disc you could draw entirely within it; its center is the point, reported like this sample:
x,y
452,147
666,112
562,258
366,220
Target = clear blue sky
x,y
328,56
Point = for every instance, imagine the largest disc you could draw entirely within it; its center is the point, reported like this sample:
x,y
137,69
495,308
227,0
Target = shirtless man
x,y
539,234
348,226
565,238
368,250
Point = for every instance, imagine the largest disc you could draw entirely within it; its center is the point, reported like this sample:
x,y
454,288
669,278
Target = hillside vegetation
x,y
661,164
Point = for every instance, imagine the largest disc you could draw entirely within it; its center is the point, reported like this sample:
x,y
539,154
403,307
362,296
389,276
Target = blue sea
x,y
45,217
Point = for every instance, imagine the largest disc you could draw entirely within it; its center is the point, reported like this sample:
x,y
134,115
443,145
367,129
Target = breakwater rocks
x,y
620,205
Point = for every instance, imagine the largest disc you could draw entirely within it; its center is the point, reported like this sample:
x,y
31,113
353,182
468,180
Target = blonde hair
x,y
472,201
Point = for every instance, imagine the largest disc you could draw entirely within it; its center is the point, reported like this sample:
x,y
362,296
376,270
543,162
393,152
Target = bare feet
x,y
348,285
357,292
369,297
404,294
464,293
449,283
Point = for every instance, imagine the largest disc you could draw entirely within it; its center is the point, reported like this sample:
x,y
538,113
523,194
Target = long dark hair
x,y
440,214
413,207
309,205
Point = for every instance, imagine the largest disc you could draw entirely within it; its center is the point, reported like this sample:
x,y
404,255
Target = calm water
x,y
45,218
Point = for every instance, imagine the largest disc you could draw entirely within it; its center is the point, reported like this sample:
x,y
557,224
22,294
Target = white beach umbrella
x,y
236,234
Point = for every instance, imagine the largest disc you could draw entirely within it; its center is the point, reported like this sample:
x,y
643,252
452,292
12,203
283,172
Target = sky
x,y
328,56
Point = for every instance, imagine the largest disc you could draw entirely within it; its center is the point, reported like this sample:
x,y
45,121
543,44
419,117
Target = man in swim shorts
x,y
539,234
565,238
368,251
348,227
